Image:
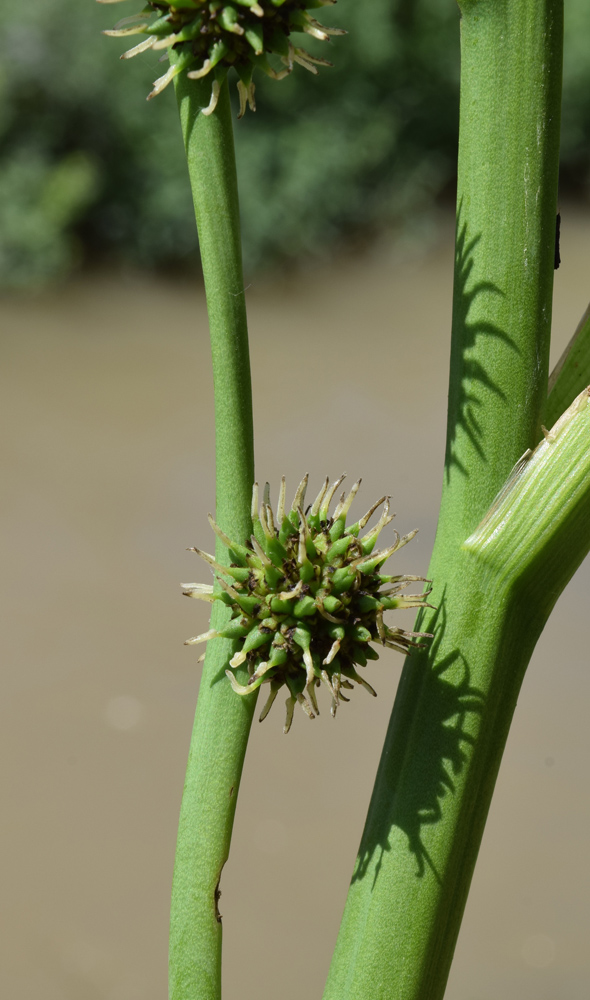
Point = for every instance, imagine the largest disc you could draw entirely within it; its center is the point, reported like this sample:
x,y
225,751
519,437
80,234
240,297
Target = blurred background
x,y
347,185
89,174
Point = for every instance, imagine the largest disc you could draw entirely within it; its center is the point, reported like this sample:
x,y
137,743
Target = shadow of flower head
x,y
426,758
465,396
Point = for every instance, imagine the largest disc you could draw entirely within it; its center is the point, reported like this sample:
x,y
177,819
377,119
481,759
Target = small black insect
x,y
557,258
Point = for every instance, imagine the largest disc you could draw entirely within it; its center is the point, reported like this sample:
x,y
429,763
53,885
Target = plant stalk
x,y
456,698
571,373
222,720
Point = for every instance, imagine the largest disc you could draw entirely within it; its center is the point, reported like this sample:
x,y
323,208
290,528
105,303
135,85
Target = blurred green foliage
x,y
88,170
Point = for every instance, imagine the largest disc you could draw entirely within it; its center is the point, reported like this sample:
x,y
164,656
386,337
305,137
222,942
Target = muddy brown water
x,y
108,476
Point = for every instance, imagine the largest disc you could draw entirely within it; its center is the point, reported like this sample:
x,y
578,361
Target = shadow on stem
x,y
421,761
465,397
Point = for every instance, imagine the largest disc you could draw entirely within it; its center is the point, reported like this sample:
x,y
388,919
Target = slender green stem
x,y
571,373
456,698
222,721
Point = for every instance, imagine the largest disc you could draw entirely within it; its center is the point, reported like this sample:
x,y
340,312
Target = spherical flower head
x,y
209,37
307,597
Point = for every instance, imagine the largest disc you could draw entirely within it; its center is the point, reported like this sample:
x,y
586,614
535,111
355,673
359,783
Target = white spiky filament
x,y
307,596
210,39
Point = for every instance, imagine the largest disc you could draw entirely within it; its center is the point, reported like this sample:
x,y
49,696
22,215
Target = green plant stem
x,y
223,720
571,373
456,698
537,531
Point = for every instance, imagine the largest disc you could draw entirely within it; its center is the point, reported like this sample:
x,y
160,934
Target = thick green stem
x,y
456,698
222,721
511,54
571,373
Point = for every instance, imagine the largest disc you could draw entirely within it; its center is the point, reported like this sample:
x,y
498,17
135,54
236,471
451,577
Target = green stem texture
x,y
456,698
571,373
223,720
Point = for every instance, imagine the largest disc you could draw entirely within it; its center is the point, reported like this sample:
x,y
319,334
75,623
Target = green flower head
x,y
208,37
307,597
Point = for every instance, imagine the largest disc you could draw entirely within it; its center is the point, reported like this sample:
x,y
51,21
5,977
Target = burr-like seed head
x,y
307,596
207,38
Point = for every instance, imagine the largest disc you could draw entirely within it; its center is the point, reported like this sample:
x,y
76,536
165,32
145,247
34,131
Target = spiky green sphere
x,y
209,37
306,597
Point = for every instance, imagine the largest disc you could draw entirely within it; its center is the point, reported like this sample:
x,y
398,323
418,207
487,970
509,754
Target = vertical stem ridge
x,y
511,67
456,698
222,720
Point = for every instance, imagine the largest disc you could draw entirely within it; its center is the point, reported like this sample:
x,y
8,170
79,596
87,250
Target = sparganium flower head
x,y
307,597
210,36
